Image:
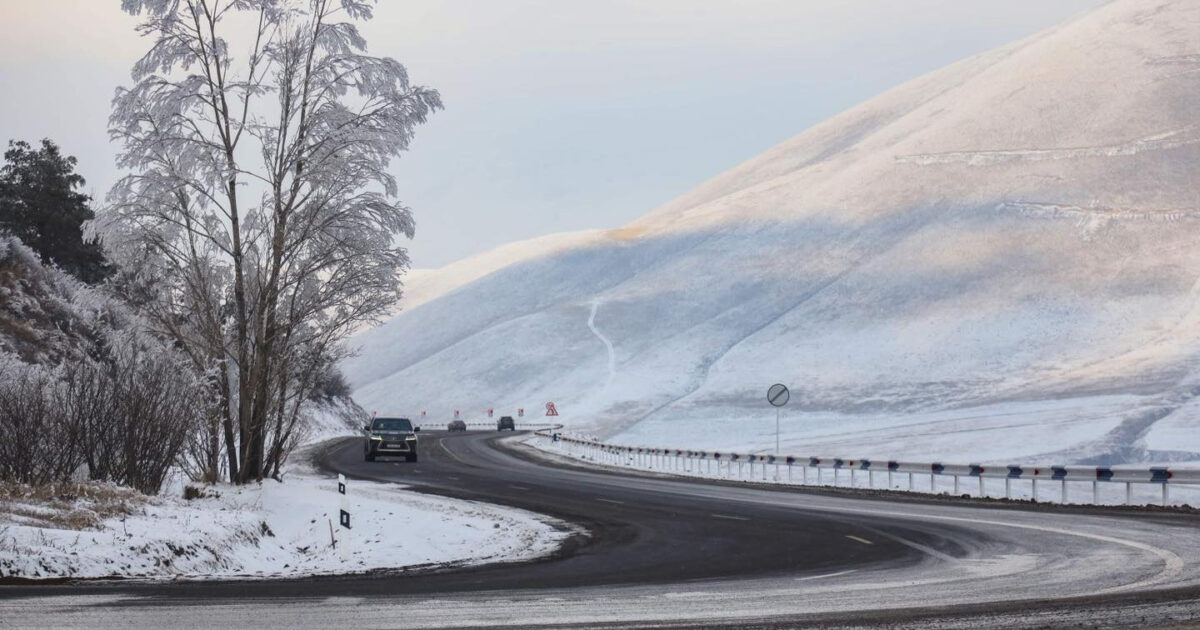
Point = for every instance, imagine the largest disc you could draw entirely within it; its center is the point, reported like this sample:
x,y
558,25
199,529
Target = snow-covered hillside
x,y
993,261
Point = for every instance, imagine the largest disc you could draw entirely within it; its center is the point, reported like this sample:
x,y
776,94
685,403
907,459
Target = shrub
x,y
40,443
82,383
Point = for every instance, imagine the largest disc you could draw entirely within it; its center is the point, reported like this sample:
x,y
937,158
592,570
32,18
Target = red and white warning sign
x,y
422,413
551,410
490,410
455,413
521,412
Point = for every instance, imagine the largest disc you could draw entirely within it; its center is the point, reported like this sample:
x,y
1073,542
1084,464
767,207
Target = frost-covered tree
x,y
258,217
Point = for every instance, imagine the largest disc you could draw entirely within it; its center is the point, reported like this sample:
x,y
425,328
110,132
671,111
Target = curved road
x,y
686,552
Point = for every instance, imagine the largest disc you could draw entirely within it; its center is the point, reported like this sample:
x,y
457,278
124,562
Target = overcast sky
x,y
560,114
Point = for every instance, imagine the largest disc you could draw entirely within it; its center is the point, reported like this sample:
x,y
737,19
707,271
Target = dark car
x,y
456,425
506,422
391,436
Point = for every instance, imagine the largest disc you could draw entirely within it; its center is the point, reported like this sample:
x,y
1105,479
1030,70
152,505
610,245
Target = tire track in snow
x,y
612,355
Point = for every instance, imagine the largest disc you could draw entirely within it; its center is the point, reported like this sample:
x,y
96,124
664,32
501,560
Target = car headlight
x,y
376,438
411,437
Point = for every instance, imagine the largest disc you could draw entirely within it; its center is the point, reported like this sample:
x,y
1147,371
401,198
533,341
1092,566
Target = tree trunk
x,y
231,449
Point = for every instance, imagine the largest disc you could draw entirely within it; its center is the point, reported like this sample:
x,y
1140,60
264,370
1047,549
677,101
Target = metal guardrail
x,y
522,426
789,469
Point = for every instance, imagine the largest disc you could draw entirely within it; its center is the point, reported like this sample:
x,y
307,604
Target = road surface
x,y
661,551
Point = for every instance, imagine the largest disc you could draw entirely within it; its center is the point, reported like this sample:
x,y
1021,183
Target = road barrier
x,y
848,472
520,426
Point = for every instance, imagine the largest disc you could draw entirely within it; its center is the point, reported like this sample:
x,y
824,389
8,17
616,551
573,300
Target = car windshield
x,y
392,424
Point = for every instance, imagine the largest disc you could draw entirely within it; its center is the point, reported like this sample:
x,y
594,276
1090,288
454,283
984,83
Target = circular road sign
x,y
778,395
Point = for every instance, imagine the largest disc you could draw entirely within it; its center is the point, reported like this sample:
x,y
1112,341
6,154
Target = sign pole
x,y
777,395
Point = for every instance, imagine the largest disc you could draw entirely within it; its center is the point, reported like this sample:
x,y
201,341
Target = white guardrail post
x,y
722,466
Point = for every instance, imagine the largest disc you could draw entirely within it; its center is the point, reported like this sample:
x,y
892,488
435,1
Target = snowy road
x,y
691,553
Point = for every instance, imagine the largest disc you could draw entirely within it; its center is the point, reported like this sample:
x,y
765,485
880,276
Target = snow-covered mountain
x,y
999,259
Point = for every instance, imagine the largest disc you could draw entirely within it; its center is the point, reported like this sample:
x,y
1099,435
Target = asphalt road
x,y
635,535
683,552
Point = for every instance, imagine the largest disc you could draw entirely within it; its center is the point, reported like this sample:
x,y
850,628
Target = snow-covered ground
x,y
993,261
271,529
327,420
1101,430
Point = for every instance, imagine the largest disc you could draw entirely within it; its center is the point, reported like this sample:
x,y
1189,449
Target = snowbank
x,y
269,530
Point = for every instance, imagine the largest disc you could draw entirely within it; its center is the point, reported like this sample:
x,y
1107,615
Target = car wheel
x,y
412,457
369,457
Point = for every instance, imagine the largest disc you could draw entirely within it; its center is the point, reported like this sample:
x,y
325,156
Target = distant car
x,y
456,425
391,436
506,422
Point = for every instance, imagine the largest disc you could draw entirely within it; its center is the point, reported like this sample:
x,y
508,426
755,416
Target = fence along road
x,y
935,477
691,551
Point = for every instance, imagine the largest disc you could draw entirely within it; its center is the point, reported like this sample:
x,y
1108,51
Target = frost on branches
x,y
85,391
258,220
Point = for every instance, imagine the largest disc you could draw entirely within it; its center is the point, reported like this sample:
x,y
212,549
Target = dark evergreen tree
x,y
40,205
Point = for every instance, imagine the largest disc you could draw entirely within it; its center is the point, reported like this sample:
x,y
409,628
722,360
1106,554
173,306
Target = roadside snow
x,y
801,474
1019,431
276,529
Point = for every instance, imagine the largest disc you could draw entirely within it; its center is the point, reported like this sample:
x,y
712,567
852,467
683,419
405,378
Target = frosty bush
x,y
135,411
82,383
40,444
126,417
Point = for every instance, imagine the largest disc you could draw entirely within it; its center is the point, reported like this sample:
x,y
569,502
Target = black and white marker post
x,y
344,518
778,396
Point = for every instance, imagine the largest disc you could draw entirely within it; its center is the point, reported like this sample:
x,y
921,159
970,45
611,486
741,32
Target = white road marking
x,y
827,575
861,540
342,601
517,487
611,501
732,518
1172,563
450,453
930,551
